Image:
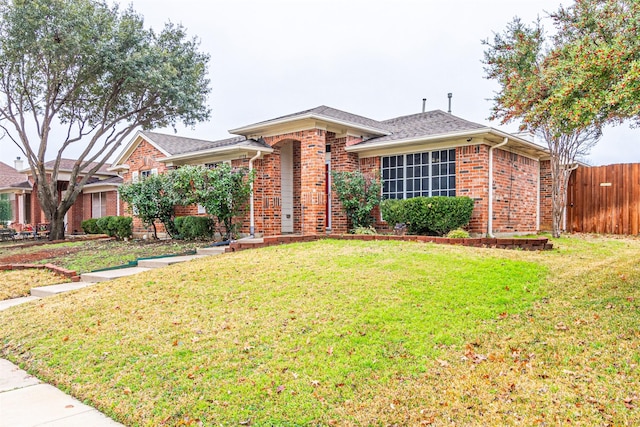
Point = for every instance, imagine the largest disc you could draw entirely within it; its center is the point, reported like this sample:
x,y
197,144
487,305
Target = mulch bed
x,y
37,256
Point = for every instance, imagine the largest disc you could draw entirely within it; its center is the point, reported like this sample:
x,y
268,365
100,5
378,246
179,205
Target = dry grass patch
x,y
18,283
352,333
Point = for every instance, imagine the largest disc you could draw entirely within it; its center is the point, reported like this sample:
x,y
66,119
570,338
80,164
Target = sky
x,y
375,58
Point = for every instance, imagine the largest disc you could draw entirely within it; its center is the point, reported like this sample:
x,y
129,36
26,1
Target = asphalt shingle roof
x,y
9,176
67,165
175,145
331,113
425,124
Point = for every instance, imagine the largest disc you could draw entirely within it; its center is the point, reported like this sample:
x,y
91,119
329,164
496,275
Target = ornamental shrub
x,y
429,215
90,226
359,194
119,227
392,211
458,233
195,227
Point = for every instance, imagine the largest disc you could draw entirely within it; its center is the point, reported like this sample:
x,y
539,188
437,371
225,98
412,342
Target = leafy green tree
x,y
86,74
359,194
596,61
153,199
5,208
523,61
223,192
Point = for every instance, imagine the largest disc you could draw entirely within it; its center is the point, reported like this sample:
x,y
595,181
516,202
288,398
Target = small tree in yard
x,y
223,192
359,194
153,199
86,75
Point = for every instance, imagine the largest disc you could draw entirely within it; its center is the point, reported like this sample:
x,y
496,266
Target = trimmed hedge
x,y
119,227
90,226
195,227
429,215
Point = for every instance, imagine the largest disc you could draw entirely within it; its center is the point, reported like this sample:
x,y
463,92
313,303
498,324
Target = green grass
x,y
85,256
18,283
351,333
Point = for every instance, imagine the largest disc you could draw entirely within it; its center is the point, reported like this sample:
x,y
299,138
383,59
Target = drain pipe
x,y
490,222
252,226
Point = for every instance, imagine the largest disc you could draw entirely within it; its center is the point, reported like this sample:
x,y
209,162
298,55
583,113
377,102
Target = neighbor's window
x,y
98,205
431,173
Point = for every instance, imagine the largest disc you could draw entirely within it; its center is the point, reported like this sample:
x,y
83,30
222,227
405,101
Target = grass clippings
x,y
352,333
18,283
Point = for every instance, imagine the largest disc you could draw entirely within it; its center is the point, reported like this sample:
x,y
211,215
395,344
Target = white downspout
x,y
490,221
538,201
117,202
252,223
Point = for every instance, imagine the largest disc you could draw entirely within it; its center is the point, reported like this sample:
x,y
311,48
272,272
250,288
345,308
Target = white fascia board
x,y
442,137
215,151
122,167
99,188
248,130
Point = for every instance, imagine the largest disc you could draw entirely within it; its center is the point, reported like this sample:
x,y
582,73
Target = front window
x,y
431,173
98,205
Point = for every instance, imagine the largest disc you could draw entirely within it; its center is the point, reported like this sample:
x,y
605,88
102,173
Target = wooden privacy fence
x,y
604,199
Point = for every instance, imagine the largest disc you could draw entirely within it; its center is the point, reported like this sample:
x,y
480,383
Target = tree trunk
x,y
57,228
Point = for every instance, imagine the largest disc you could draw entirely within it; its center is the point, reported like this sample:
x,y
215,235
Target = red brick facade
x,y
472,180
546,206
515,193
315,152
144,158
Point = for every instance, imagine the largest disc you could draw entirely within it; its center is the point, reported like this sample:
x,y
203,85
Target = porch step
x,y
103,276
47,291
216,250
164,262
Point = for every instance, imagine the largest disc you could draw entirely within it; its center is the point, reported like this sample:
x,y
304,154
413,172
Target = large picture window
x,y
430,173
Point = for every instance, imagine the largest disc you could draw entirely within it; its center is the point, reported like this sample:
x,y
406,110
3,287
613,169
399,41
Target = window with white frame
x,y
98,205
431,173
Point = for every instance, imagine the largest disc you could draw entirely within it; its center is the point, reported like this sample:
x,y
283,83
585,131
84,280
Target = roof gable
x,y
322,113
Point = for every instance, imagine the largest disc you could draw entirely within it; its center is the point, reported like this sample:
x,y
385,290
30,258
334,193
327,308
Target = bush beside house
x,y
428,215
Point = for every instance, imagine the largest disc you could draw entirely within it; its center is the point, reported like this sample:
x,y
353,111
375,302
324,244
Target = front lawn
x,y
18,283
351,333
90,255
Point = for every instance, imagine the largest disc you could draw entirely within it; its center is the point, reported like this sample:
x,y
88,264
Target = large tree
x,y
527,65
81,76
597,62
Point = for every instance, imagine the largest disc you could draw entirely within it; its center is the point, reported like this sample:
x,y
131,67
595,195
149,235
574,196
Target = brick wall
x,y
546,206
371,166
472,173
143,158
515,194
309,198
341,160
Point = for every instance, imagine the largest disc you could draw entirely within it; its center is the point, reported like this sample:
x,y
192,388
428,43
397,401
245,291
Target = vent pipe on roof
x,y
424,104
449,95
18,164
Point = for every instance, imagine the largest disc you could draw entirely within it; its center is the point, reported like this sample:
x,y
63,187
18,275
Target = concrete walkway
x,y
25,401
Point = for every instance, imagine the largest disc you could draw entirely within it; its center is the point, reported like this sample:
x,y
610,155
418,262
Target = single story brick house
x,y
425,154
98,198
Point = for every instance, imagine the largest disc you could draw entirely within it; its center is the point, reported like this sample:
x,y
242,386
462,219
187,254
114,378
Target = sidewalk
x,y
25,401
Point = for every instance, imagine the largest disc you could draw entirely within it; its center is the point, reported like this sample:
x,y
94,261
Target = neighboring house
x,y
425,154
98,198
